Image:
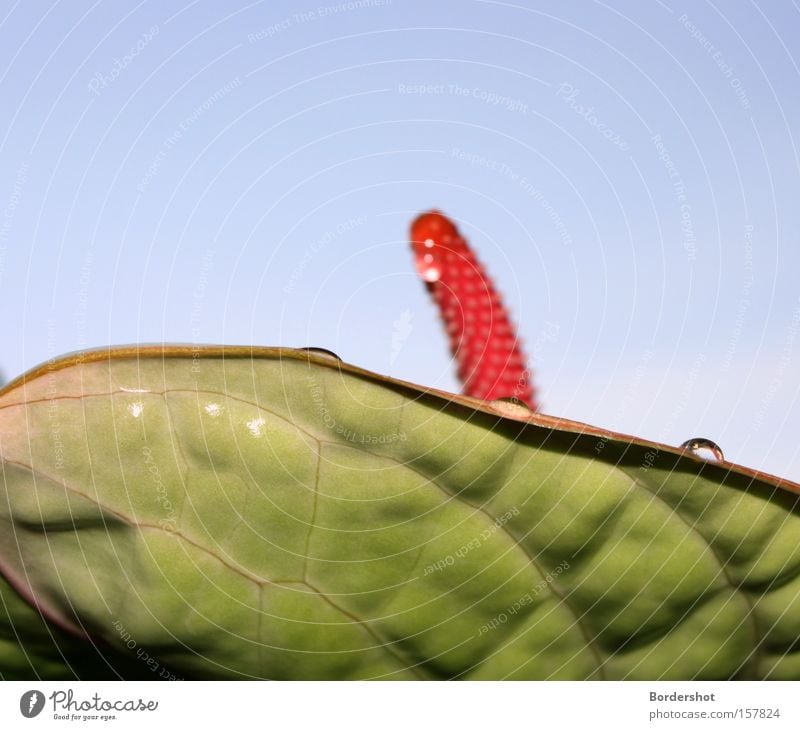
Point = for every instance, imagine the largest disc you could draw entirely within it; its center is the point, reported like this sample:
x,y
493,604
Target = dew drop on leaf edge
x,y
511,406
703,448
322,352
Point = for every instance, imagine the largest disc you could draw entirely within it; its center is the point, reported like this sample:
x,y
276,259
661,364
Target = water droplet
x,y
323,353
704,449
511,406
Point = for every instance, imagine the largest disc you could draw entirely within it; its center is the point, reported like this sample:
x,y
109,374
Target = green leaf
x,y
275,513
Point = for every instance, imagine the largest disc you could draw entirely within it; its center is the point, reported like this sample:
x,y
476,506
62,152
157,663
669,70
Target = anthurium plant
x,y
175,512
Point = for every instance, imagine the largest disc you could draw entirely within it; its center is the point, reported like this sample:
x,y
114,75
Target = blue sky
x,y
246,173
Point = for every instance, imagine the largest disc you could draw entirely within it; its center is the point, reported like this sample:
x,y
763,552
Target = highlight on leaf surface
x,y
274,513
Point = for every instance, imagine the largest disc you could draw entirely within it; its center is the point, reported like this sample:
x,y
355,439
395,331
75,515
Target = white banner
x,y
406,706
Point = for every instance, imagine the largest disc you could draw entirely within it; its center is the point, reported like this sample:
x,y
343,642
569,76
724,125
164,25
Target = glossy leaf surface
x,y
274,513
